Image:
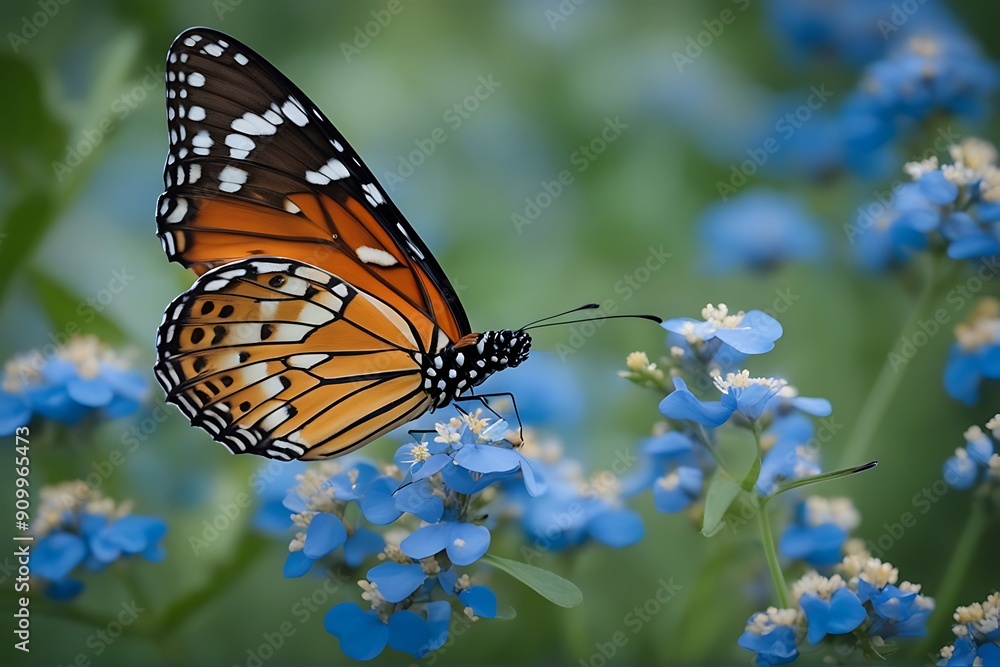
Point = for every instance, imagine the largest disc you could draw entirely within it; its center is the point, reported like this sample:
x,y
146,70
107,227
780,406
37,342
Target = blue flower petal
x,y
468,542
64,589
533,475
487,458
14,412
408,633
481,600
362,635
426,541
936,188
57,554
296,564
681,404
92,392
360,545
396,581
420,499
754,335
379,503
326,532
617,528
432,465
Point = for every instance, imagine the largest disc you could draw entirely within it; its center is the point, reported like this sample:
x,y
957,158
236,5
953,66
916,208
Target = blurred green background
x,y
96,67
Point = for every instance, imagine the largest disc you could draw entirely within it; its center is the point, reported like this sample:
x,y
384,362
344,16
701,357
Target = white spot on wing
x,y
334,169
291,207
375,256
374,196
241,59
180,210
306,360
213,50
196,79
231,178
253,124
196,113
293,111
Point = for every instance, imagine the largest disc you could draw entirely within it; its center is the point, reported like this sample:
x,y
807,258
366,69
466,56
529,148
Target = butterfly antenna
x,y
586,306
651,318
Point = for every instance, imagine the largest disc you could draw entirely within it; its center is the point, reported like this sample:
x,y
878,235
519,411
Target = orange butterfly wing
x,y
255,169
279,358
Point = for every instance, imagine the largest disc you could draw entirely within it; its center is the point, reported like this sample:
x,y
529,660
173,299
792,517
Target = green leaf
x,y
753,475
72,315
722,491
549,585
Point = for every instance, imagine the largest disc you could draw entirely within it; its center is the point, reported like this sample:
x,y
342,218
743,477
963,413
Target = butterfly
x,y
319,320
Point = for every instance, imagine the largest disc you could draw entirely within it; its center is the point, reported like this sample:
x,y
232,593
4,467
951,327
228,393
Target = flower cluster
x,y
975,354
574,509
931,71
853,30
708,352
819,531
441,499
955,205
977,635
977,461
77,527
859,608
65,386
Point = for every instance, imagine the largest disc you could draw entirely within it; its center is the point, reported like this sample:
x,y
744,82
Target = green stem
x,y
825,477
750,481
954,573
771,554
703,438
891,375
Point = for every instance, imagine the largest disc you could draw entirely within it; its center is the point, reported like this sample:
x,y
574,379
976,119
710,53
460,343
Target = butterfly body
x,y
319,320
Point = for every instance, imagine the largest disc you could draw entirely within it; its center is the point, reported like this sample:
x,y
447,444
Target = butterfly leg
x,y
505,394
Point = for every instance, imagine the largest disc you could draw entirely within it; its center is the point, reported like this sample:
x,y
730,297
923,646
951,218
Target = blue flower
x,y
900,613
760,230
81,377
572,511
397,581
77,527
838,615
480,600
975,461
271,483
790,455
465,543
855,31
960,471
364,635
772,636
976,353
753,332
676,490
740,393
977,633
819,531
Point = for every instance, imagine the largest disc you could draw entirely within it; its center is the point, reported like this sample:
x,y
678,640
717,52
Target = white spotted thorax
x,y
838,511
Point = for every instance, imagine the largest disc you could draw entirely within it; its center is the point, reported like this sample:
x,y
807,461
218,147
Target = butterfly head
x,y
468,363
